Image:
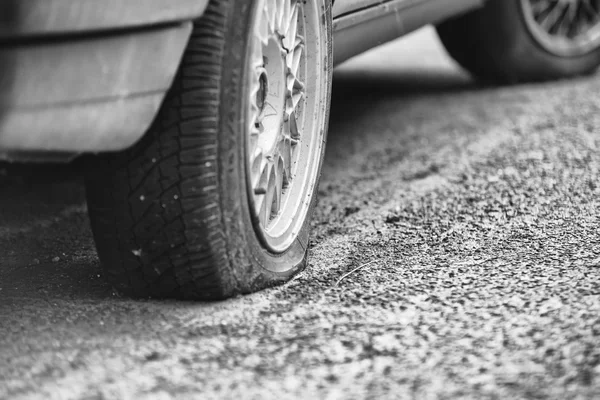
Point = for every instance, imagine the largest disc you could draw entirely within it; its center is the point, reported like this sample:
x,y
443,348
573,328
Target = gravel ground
x,y
455,254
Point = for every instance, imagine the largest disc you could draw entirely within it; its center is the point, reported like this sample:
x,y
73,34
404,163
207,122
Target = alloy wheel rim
x,y
564,27
285,137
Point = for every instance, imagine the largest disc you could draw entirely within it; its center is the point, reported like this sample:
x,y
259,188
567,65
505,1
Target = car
x,y
203,122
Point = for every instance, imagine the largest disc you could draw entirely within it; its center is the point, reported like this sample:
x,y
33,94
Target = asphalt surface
x,y
455,254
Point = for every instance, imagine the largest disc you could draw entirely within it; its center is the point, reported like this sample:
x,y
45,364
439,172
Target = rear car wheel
x,y
216,199
512,41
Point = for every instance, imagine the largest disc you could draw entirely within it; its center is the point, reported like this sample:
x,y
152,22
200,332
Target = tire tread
x,y
183,134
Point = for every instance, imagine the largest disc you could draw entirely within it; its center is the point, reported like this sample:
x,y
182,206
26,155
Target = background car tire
x,y
173,216
497,43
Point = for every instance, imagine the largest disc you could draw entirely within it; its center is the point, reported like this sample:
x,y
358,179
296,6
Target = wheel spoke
x,y
256,167
283,17
262,32
589,10
263,180
262,209
291,28
566,22
271,10
285,153
293,58
573,24
293,129
279,172
540,7
550,20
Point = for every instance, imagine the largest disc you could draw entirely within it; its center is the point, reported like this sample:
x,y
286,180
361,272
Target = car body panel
x,y
89,75
26,18
372,26
90,94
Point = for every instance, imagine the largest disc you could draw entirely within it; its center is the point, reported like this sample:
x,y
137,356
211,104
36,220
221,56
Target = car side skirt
x,y
361,30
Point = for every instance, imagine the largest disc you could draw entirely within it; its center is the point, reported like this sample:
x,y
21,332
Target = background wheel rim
x,y
565,28
285,117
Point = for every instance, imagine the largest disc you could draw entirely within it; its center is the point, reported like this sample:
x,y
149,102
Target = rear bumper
x,y
91,80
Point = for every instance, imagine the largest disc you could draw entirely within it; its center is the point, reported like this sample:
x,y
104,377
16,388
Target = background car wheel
x,y
526,40
216,199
